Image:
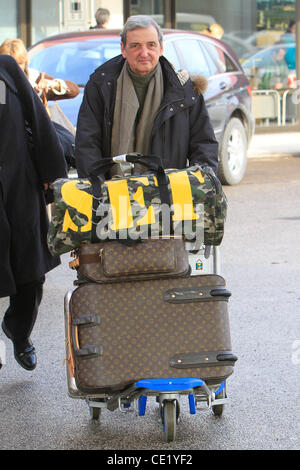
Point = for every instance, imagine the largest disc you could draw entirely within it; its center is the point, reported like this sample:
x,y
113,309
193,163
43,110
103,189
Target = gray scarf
x,y
127,134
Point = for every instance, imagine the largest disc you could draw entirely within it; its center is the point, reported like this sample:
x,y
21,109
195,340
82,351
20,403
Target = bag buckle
x,y
74,264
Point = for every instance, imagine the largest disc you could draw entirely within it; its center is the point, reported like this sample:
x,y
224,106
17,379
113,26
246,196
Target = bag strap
x,y
97,177
45,102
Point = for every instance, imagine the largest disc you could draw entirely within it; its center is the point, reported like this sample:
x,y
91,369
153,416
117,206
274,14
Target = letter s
x,y
81,201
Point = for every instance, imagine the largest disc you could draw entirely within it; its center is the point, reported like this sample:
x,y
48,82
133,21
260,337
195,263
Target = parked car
x,y
74,56
262,62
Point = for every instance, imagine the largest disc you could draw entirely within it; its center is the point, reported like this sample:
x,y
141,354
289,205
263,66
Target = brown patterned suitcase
x,y
115,262
120,333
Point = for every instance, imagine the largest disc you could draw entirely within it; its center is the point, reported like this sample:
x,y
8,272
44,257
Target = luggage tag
x,y
200,261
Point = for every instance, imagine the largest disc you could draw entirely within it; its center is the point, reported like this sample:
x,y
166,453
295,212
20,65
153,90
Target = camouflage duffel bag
x,y
190,203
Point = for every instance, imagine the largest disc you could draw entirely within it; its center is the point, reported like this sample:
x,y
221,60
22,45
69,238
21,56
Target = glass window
x,y
8,20
222,62
212,58
253,29
74,61
144,7
170,54
45,19
192,56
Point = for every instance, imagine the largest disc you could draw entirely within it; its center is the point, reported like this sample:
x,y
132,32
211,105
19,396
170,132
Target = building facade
x,y
255,29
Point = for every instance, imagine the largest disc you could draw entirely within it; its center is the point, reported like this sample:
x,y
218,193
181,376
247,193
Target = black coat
x,y
181,132
24,255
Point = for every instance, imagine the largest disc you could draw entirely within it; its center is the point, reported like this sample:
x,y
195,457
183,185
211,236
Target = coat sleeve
x,y
203,146
47,152
89,131
70,90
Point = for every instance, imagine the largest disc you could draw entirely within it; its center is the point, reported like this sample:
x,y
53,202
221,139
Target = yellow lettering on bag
x,y
149,217
120,204
198,175
79,200
182,196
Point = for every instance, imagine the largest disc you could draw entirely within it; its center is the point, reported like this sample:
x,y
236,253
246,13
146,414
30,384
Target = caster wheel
x,y
170,414
95,412
219,409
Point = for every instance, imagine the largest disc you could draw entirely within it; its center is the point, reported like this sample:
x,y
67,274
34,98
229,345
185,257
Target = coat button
x,y
182,105
171,109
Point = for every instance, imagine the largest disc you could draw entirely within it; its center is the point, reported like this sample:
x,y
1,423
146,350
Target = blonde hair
x,y
16,48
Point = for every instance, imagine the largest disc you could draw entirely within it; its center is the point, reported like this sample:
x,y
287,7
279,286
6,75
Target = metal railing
x,y
274,107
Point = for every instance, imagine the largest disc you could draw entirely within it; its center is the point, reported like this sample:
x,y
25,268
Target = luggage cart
x,y
167,391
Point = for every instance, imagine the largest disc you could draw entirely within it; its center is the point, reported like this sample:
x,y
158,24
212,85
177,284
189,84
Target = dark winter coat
x,y
182,130
24,255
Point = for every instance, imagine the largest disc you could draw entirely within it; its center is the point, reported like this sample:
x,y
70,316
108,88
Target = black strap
x,y
97,177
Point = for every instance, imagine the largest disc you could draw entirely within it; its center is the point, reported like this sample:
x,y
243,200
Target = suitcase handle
x,y
88,351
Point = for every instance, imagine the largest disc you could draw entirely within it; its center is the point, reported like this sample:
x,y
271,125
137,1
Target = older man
x,y
136,102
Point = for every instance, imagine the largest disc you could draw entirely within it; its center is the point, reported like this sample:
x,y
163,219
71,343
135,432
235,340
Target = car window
x,y
77,60
210,58
224,63
171,55
192,56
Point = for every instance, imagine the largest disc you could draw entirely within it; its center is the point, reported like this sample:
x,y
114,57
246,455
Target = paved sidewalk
x,y
275,145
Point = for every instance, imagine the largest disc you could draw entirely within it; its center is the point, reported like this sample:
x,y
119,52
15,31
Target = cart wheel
x,y
169,417
95,412
161,413
218,409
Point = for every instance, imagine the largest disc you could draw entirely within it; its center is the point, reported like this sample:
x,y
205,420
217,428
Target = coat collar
x,y
175,90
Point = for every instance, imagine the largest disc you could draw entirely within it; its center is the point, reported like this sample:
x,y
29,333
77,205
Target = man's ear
x,y
161,49
123,50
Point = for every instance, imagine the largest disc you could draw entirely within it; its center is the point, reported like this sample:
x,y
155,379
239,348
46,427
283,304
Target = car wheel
x,y
233,153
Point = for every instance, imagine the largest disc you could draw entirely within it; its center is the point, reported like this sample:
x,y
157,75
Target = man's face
x,y
280,54
142,50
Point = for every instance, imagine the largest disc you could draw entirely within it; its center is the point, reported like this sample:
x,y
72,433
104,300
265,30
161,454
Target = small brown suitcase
x,y
115,262
166,328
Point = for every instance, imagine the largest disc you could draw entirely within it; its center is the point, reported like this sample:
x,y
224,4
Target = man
x,y
275,72
31,157
137,103
102,17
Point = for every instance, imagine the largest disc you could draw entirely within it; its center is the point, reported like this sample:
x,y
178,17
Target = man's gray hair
x,y
101,16
140,21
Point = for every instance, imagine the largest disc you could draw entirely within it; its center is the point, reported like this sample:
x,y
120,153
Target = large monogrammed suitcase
x,y
120,333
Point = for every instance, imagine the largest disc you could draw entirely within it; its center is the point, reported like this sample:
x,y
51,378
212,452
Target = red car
x,y
74,56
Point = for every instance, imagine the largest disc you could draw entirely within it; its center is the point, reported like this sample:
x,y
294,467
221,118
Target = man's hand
x,y
48,186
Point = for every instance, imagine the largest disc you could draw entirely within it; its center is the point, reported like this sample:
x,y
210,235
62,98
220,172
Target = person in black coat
x,y
31,158
136,102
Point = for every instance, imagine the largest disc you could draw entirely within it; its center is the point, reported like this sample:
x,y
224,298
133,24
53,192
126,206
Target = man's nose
x,y
144,51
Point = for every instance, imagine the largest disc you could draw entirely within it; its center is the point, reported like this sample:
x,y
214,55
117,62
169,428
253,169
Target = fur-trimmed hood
x,y
199,81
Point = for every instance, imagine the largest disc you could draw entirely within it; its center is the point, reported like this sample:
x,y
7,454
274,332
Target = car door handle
x,y
222,85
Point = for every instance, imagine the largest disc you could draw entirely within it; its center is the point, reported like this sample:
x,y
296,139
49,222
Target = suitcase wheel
x,y
219,409
170,413
94,412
